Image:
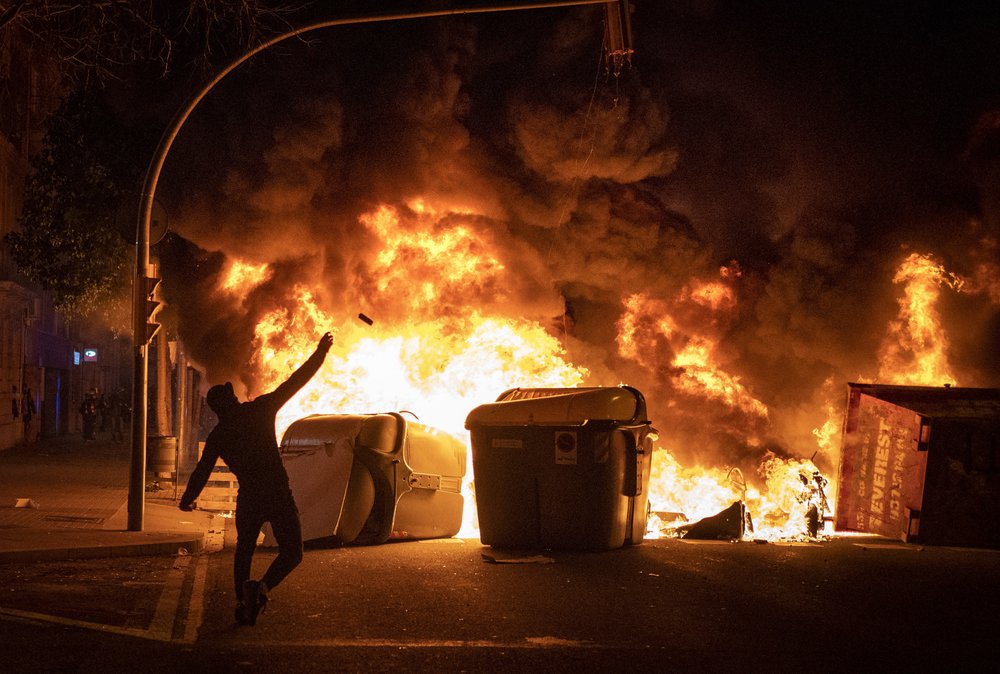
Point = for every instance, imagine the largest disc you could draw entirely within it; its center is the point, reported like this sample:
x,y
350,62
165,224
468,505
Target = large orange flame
x,y
436,368
649,334
431,259
779,496
440,365
915,350
242,276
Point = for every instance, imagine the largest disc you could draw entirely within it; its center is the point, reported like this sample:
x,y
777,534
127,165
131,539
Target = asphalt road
x,y
846,604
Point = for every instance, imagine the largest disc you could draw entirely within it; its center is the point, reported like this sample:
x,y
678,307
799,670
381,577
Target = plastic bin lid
x,y
320,430
561,406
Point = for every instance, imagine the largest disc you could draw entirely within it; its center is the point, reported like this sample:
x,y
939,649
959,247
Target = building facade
x,y
46,364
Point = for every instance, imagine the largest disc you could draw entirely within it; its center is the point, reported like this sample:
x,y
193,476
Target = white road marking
x,y
525,644
194,621
196,606
162,625
111,629
887,546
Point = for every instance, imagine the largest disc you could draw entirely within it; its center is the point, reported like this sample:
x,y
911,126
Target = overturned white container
x,y
365,479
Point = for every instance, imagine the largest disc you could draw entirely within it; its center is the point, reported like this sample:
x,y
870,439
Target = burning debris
x,y
732,524
814,496
805,519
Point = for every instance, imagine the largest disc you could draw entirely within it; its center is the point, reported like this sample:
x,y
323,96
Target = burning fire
x,y
916,348
429,260
793,493
779,496
244,275
649,334
437,367
439,370
779,506
701,375
441,363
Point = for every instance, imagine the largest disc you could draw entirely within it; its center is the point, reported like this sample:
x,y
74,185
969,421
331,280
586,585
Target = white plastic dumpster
x,y
365,479
562,468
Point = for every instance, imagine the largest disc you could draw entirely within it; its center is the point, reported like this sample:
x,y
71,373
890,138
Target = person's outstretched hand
x,y
325,342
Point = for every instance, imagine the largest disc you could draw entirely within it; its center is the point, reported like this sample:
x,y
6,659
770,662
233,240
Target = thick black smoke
x,y
793,154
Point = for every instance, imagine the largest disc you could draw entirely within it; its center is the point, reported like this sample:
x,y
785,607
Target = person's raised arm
x,y
305,372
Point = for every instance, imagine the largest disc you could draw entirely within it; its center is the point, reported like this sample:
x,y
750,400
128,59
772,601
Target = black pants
x,y
251,513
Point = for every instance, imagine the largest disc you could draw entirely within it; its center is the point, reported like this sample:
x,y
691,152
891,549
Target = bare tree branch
x,y
97,39
10,13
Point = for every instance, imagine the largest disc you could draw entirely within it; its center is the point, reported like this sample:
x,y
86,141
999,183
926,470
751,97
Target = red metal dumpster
x,y
922,464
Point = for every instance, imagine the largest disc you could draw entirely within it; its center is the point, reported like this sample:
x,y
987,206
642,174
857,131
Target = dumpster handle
x,y
633,479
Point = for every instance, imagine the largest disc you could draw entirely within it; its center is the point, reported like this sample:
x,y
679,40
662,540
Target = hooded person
x,y
245,440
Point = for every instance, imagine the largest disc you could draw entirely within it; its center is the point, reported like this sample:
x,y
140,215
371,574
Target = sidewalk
x,y
75,506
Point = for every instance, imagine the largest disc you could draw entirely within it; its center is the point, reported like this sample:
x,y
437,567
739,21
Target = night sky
x,y
810,147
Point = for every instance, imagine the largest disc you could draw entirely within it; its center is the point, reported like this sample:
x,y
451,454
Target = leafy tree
x,y
69,243
90,163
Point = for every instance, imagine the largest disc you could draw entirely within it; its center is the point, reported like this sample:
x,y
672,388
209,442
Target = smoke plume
x,y
753,220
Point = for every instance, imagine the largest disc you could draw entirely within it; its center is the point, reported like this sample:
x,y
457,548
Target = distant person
x,y
102,408
116,415
27,412
88,410
244,438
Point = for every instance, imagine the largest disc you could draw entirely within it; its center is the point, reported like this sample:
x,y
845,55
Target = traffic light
x,y
152,307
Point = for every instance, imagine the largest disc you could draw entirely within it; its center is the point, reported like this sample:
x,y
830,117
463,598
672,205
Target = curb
x,y
166,535
164,544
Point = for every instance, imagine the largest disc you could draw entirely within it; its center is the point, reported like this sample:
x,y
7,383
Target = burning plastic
x,y
731,524
803,515
814,496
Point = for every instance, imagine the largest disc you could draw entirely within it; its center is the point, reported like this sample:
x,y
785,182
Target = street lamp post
x,y
142,285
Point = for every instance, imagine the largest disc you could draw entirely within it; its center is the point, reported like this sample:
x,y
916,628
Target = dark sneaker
x,y
241,613
255,598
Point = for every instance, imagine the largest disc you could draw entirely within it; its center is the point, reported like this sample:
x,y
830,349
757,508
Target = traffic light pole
x,y
143,309
140,373
140,293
